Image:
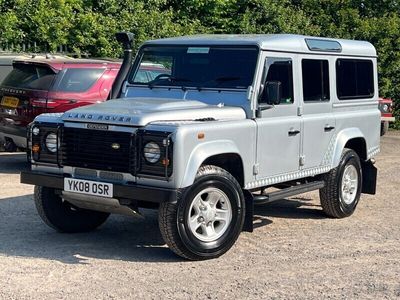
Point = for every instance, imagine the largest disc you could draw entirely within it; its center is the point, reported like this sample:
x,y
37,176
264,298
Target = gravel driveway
x,y
295,252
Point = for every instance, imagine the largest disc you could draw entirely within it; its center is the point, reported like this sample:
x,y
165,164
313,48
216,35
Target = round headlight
x,y
385,107
152,152
35,130
51,142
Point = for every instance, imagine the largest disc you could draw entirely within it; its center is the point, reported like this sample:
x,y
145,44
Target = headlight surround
x,y
51,142
44,146
152,152
155,149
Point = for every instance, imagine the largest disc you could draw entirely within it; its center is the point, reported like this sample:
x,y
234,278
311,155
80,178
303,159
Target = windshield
x,y
29,76
199,67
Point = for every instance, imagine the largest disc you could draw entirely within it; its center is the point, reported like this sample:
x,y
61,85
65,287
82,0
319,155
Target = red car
x,y
40,85
386,108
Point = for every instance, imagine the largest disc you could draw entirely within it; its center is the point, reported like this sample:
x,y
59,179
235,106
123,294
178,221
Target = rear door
x,y
318,120
76,86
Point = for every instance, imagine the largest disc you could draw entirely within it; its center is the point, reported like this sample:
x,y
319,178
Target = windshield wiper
x,y
167,77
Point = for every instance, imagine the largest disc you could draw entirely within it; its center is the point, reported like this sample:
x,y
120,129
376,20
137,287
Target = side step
x,y
287,192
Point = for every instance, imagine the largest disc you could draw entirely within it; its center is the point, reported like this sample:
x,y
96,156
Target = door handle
x,y
293,132
329,127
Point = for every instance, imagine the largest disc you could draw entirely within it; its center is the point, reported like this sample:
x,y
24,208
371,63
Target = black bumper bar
x,y
133,191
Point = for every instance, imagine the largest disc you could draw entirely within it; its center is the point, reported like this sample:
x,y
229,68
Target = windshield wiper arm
x,y
166,77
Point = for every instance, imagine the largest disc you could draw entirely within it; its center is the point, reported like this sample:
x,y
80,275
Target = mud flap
x,y
369,177
248,219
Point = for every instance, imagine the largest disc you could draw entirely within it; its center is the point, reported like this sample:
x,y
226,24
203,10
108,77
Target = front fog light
x,y
152,152
51,142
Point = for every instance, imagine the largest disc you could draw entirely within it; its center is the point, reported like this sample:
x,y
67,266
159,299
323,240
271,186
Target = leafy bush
x,y
89,25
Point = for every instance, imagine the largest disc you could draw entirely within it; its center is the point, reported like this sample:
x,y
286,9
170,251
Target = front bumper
x,y
131,191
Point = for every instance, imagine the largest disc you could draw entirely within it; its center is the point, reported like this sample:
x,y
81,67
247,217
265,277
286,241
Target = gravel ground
x,y
295,252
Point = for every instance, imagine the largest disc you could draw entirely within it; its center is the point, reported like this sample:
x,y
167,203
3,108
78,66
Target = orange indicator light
x,y
35,148
200,135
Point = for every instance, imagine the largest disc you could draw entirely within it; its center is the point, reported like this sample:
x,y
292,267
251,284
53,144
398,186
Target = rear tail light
x,y
50,103
391,107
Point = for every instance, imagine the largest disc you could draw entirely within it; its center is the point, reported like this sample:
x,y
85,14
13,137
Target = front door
x,y
279,127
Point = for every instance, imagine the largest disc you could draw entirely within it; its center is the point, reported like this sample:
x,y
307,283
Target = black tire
x,y
384,128
64,217
173,217
332,201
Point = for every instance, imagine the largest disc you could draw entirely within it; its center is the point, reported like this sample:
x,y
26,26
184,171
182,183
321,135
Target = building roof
x,y
272,42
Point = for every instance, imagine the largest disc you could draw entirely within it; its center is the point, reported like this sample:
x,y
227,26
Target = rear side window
x,y
29,76
355,79
315,80
4,71
77,79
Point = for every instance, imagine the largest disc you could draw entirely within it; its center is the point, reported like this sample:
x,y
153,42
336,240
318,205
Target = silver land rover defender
x,y
230,121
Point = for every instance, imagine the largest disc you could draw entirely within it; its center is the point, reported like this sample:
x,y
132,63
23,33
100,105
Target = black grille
x,y
99,149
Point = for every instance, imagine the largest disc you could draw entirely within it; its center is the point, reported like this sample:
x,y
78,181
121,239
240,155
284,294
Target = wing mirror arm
x,y
271,94
262,107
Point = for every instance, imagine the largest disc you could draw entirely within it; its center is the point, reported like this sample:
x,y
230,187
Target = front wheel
x,y
207,218
342,190
63,216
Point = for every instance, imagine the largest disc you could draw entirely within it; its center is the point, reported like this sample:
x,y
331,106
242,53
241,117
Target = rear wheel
x,y
384,127
207,218
63,216
342,190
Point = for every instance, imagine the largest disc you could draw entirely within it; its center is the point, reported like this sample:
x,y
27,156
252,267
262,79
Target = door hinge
x,y
300,110
302,160
256,169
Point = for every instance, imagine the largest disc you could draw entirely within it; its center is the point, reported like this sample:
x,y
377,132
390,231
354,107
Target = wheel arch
x,y
351,138
230,162
223,154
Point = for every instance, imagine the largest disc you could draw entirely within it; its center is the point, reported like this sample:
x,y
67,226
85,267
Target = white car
x,y
235,116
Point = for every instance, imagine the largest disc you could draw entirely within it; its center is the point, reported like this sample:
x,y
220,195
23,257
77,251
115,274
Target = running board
x,y
287,192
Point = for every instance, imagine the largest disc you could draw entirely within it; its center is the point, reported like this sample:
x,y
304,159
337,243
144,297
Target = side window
x,y
281,70
315,80
77,80
354,79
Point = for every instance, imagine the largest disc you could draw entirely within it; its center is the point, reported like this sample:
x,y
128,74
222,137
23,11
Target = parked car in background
x,y
149,71
386,108
46,85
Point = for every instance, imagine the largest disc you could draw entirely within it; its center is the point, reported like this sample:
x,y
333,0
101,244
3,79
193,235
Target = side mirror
x,y
272,94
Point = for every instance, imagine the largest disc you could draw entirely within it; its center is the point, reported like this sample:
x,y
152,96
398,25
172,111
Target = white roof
x,y
273,42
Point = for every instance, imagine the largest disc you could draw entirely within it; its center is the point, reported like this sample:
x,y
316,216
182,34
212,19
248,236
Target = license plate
x,y
9,101
88,187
